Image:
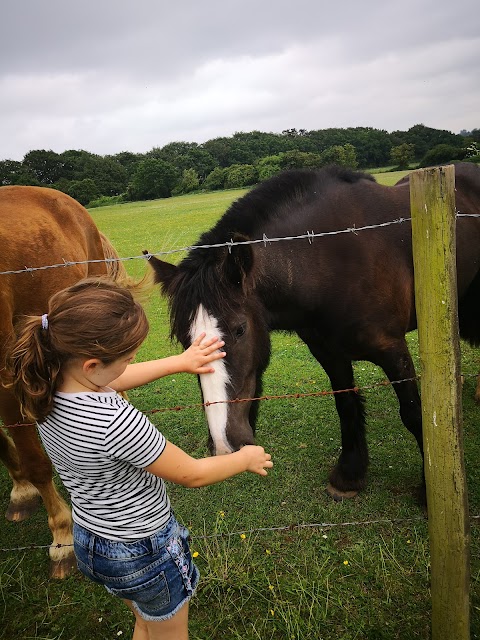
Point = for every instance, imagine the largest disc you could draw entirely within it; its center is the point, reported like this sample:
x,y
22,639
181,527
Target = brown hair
x,y
94,318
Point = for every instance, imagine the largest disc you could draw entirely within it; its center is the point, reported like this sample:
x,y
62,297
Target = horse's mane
x,y
271,198
197,277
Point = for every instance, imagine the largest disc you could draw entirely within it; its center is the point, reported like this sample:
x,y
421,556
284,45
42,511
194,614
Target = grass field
x,y
262,577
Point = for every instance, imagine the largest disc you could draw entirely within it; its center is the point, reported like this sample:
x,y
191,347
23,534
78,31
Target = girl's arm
x,y
175,465
194,360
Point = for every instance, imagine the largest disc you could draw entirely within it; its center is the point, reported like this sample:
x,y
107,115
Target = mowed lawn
x,y
352,570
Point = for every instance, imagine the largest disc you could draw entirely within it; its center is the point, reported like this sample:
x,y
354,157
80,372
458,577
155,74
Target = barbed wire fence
x,y
310,236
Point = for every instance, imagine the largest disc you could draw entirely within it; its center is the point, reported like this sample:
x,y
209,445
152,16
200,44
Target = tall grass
x,y
263,576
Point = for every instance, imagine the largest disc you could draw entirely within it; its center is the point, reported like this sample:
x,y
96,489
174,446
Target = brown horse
x,y
39,227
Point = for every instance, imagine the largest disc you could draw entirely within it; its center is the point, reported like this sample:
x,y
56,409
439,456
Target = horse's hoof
x,y
22,511
338,495
60,569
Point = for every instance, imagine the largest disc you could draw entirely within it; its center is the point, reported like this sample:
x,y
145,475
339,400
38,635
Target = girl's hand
x,y
199,354
257,460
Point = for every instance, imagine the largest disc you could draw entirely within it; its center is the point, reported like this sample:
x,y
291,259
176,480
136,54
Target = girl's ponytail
x,y
33,368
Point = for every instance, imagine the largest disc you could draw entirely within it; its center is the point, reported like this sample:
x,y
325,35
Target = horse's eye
x,y
240,330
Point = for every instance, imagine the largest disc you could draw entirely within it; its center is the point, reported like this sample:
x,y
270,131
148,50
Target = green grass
x,y
353,582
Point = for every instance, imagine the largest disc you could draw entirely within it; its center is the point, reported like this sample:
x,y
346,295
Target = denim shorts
x,y
156,573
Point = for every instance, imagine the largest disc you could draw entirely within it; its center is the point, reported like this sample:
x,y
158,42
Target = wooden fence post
x,y
432,196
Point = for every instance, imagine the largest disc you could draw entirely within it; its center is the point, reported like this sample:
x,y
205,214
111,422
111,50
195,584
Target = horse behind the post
x,y
41,227
349,295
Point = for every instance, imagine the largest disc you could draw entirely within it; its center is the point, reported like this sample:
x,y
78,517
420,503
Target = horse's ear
x,y
164,272
238,261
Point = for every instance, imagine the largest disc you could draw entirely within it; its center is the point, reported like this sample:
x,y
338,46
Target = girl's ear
x,y
90,365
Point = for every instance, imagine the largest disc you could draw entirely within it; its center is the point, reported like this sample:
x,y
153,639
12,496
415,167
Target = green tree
x,y
84,191
240,175
344,155
215,180
219,148
45,166
425,138
372,146
189,182
475,135
402,155
199,160
269,166
74,161
350,156
172,151
334,155
108,174
10,171
293,133
472,150
300,160
440,154
153,179
128,160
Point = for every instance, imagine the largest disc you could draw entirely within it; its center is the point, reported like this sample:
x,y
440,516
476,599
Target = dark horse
x,y
349,296
40,227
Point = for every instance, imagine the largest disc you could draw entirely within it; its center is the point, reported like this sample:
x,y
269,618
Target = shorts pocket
x,y
152,595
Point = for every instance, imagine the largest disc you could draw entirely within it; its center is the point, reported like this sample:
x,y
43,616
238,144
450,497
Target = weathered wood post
x,y
432,194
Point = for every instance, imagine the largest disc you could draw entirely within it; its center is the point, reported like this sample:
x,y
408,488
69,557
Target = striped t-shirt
x,y
99,444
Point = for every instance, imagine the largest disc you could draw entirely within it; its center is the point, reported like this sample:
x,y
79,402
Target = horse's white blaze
x,y
214,385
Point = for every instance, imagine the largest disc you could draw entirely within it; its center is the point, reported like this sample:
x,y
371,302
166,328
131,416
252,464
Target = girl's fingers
x,y
212,347
208,343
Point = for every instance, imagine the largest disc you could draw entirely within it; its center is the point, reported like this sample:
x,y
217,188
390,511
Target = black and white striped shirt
x,y
99,444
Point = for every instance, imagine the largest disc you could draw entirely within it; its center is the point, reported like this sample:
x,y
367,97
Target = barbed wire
x,y
229,244
284,396
241,532
308,235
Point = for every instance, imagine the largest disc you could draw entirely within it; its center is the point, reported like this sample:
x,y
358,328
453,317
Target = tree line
x,y
240,160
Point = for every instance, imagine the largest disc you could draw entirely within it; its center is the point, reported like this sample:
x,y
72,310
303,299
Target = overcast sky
x,y
117,75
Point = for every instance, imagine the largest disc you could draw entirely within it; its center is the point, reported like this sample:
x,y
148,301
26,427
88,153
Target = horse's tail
x,y
116,271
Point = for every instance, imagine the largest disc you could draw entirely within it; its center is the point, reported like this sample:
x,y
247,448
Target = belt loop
x,y
91,550
154,543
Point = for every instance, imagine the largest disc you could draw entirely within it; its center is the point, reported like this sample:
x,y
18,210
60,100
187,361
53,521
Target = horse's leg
x,y
349,475
24,497
398,365
33,467
37,469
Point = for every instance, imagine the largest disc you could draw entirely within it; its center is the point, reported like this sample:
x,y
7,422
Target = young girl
x,y
67,368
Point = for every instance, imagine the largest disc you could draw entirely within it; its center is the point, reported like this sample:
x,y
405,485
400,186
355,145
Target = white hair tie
x,y
45,321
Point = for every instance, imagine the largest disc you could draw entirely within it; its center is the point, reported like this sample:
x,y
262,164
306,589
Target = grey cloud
x,y
110,75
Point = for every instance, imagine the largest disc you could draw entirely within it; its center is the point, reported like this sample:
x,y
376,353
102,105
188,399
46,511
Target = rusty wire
x,y
285,396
